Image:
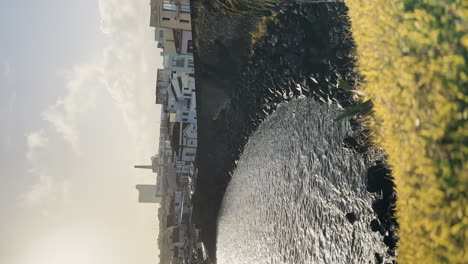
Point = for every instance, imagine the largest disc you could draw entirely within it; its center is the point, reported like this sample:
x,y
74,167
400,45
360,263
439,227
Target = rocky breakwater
x,y
380,180
305,52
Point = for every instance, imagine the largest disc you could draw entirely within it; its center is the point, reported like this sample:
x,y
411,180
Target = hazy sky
x,y
77,111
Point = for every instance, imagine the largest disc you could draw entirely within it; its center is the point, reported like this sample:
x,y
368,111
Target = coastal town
x,y
175,92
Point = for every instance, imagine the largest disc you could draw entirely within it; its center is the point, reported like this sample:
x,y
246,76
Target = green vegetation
x,y
363,108
413,55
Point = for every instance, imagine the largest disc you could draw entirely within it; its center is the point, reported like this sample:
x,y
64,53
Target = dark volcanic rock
x,y
352,143
352,217
378,178
375,225
390,241
378,258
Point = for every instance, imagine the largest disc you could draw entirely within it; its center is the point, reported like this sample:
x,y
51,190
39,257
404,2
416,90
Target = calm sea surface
x,y
293,186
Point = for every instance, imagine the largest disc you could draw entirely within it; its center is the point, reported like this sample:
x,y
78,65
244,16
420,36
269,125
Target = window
x,y
190,154
190,63
185,114
161,34
186,94
190,46
166,19
185,8
184,119
184,21
169,6
178,62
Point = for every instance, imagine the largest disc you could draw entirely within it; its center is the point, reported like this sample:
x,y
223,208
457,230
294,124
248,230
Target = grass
x,y
261,27
413,56
259,7
239,7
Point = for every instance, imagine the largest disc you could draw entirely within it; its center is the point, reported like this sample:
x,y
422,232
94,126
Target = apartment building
x,y
173,14
174,40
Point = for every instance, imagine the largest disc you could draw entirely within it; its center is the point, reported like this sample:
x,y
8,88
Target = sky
x,y
77,112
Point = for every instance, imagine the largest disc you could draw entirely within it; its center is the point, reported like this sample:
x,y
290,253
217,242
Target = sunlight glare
x,y
70,248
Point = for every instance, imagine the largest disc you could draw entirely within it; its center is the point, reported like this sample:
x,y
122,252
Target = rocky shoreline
x,y
306,51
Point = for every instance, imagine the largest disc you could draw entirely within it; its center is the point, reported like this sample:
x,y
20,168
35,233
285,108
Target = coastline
x,y
248,82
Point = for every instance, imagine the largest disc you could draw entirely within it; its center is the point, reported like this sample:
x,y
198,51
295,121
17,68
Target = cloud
x,y
118,17
34,141
130,63
125,67
47,190
81,158
124,74
82,82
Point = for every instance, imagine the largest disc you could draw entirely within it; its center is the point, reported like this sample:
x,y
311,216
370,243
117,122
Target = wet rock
x,y
390,241
378,258
352,143
313,51
381,206
377,177
340,54
375,225
352,217
355,125
382,231
380,180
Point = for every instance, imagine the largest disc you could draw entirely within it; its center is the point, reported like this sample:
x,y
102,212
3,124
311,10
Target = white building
x,y
147,194
177,45
178,133
180,63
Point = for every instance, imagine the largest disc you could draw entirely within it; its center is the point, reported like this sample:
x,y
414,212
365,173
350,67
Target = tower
x,y
154,164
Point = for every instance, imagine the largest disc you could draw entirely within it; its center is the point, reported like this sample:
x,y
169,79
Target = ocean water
x,y
293,186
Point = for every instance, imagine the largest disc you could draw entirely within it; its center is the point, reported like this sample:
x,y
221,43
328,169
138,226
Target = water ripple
x,y
291,190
